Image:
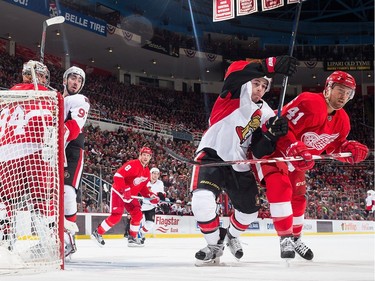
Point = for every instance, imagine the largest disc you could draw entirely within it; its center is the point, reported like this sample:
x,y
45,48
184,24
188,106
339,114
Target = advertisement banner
x,y
72,17
359,65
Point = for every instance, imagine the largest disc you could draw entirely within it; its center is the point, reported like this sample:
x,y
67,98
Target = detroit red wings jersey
x,y
132,174
23,125
232,122
310,123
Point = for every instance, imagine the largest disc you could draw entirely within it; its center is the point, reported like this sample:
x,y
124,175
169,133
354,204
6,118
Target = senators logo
x,y
245,132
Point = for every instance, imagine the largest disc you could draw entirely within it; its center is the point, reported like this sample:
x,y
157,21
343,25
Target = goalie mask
x,y
74,70
340,77
41,73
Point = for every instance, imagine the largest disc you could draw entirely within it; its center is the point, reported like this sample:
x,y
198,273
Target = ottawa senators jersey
x,y
234,116
76,109
310,123
132,174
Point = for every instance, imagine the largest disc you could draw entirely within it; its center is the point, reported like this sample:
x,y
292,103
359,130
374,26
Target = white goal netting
x,y
31,169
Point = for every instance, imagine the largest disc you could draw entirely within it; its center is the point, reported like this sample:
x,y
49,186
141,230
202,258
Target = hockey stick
x,y
148,199
291,48
46,23
178,157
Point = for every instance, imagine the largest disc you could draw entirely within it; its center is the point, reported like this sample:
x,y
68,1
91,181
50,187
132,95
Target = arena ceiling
x,y
342,21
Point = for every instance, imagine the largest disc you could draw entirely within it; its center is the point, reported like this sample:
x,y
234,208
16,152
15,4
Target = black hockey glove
x,y
275,127
285,65
161,195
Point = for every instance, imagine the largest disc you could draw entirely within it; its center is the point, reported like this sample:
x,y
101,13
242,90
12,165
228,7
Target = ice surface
x,y
337,257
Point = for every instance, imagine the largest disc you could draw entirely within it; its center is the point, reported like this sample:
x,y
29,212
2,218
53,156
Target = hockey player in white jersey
x,y
76,108
149,209
237,118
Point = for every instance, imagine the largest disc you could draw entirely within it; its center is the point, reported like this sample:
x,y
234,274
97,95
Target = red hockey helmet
x,y
145,149
344,78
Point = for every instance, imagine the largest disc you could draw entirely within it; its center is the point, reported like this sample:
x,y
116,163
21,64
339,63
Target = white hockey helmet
x,y
370,192
74,70
154,170
41,72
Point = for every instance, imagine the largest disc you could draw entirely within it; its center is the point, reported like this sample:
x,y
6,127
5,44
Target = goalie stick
x,y
46,23
291,48
181,158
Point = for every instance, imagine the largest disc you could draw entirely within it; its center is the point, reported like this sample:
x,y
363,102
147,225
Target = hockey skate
x,y
234,245
141,237
69,245
211,254
134,242
301,249
98,238
286,248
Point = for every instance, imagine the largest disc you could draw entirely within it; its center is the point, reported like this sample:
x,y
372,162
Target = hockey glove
x,y
275,127
127,195
299,149
161,195
154,199
359,151
285,65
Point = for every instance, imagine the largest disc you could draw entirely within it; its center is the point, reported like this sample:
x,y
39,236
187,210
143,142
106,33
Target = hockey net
x,y
31,181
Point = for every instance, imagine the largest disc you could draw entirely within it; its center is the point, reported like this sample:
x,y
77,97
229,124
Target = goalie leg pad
x,y
69,244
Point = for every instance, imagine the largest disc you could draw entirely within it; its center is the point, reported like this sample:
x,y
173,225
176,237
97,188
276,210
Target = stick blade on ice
x,y
55,20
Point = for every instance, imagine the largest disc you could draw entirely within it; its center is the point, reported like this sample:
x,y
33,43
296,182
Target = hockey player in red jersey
x,y
129,180
25,160
317,123
238,116
76,109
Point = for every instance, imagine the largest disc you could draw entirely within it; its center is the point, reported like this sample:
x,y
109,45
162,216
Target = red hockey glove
x,y
127,195
299,149
359,151
275,127
154,199
285,65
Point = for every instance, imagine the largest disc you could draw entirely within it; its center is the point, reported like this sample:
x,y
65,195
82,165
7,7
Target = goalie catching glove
x,y
275,127
285,65
359,151
299,149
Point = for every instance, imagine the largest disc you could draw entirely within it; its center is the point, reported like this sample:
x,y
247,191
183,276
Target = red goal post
x,y
31,181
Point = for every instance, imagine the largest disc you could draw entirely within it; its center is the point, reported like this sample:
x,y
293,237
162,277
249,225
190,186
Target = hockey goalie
x,y
28,167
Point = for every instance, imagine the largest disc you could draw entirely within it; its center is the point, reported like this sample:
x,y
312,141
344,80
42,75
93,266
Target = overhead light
x,y
38,45
143,71
172,76
369,75
153,61
110,50
314,76
92,60
118,66
9,36
207,70
57,32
